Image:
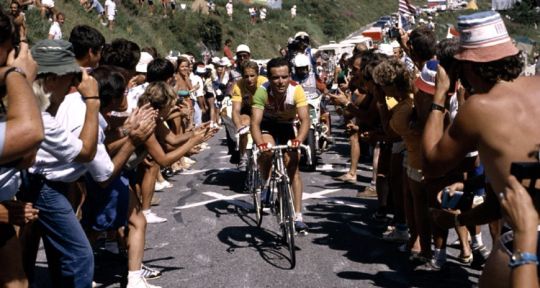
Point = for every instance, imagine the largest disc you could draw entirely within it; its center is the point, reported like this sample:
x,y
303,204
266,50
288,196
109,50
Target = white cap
x,y
200,70
243,48
395,44
215,60
143,62
300,60
301,34
224,61
385,49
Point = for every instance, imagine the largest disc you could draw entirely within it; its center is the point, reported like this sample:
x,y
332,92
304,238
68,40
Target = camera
x,y
393,33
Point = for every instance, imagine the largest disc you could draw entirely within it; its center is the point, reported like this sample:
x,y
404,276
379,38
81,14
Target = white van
x,y
359,39
335,50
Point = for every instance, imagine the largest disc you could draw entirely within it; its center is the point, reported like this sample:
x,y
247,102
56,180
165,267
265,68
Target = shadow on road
x,y
266,242
351,229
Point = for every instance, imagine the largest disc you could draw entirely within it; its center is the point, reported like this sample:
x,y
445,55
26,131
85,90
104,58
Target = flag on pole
x,y
406,8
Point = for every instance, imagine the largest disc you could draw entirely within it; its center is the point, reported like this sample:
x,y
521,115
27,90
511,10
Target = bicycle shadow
x,y
266,243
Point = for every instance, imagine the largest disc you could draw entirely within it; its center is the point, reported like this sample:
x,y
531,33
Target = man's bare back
x,y
505,122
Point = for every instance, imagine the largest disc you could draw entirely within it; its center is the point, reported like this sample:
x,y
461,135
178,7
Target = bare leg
x,y
148,184
12,272
137,232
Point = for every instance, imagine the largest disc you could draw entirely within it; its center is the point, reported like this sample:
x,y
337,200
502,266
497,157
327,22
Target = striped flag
x,y
406,8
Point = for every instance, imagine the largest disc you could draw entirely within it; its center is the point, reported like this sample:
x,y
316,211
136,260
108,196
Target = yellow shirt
x,y
240,92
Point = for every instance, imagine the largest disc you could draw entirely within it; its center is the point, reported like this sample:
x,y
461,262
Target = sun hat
x,y
200,70
55,56
143,62
224,61
426,80
385,49
243,48
484,38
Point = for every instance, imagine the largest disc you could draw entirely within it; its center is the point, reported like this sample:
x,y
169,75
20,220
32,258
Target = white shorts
x,y
110,17
48,3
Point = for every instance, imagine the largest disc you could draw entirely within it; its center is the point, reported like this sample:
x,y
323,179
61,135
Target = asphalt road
x,y
210,239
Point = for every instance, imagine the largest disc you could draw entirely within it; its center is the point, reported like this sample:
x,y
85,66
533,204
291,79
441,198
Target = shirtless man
x,y
500,119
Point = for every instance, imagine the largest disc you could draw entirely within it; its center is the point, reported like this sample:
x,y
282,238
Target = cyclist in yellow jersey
x,y
242,96
275,106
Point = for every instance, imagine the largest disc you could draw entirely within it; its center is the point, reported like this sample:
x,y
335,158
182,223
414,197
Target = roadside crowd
x,y
90,130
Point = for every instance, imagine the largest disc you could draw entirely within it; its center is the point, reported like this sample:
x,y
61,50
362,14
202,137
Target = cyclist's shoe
x,y
301,227
265,197
149,273
242,164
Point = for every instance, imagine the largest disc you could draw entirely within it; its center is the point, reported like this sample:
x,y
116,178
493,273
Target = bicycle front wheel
x,y
256,196
287,219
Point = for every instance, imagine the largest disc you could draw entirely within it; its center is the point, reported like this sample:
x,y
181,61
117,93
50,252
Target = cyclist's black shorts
x,y
245,110
282,132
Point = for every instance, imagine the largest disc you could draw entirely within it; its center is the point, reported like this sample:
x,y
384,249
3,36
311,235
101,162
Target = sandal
x,y
346,178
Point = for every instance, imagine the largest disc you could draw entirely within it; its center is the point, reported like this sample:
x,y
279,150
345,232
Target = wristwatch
x,y
520,258
14,69
435,106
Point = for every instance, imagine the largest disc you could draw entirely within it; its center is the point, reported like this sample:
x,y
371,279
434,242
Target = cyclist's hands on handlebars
x,y
264,146
294,143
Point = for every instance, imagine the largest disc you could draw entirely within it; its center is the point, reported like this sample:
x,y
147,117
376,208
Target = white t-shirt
x,y
57,151
196,80
110,6
229,7
70,117
133,96
55,31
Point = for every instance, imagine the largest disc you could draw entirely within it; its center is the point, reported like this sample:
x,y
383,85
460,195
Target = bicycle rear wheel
x,y
287,219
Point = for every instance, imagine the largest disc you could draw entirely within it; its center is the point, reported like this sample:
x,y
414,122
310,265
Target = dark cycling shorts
x,y
245,110
282,132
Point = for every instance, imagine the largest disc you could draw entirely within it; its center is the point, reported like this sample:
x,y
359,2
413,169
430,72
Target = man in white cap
x,y
500,120
243,55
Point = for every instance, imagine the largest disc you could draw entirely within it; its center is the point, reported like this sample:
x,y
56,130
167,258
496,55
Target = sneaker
x,y
149,273
369,192
159,186
301,227
152,218
139,282
396,236
434,264
190,161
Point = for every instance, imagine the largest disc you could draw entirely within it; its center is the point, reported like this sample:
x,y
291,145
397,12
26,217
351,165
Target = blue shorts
x,y
107,209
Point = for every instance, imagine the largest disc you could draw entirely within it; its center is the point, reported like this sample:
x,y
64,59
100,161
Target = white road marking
x,y
217,197
232,199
